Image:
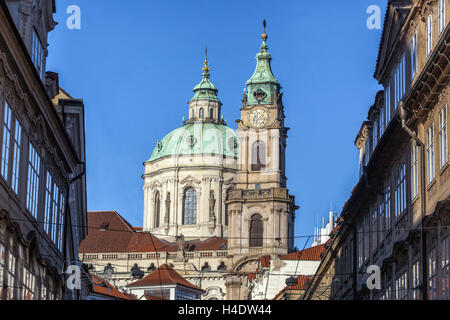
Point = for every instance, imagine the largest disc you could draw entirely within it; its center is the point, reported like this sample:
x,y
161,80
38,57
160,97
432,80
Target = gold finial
x,y
264,36
206,68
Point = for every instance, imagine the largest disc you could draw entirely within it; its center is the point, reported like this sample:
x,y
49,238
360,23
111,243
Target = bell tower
x,y
261,209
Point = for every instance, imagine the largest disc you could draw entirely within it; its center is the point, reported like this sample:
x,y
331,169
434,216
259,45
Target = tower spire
x,y
264,36
205,106
205,63
262,85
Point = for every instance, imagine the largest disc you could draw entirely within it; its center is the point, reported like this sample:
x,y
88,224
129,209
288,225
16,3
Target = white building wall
x,y
274,279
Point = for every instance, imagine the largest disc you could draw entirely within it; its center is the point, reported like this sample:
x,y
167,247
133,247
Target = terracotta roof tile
x,y
149,297
265,261
310,254
114,238
108,232
213,243
164,275
146,242
303,283
103,287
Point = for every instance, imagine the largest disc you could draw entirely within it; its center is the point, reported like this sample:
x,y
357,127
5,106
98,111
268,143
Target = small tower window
x,y
157,209
202,113
256,231
190,207
211,113
258,156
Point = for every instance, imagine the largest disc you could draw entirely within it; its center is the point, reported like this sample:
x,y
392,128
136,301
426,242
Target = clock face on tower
x,y
258,118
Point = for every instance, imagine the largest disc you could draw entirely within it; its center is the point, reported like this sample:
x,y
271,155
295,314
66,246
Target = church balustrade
x,y
109,257
134,256
255,250
259,194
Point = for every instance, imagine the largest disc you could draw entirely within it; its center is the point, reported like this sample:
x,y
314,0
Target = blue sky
x,y
135,63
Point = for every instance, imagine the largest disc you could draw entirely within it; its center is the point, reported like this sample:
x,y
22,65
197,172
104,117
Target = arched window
x,y
258,156
202,113
157,209
211,113
190,207
256,231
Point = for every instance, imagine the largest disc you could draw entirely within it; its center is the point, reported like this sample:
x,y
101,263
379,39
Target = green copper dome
x,y
197,139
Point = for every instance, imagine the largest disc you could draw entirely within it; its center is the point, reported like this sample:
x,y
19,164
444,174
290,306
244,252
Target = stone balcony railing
x,y
152,255
259,194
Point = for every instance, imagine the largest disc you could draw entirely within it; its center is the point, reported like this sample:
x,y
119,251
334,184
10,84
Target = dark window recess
x,y
256,231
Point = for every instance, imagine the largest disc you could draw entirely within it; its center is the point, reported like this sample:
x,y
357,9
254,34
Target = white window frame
x,y
37,54
367,152
381,219
16,156
445,267
430,154
442,18
415,281
55,205
400,80
375,134
429,34
48,202
374,228
413,56
443,138
433,274
11,276
387,208
414,171
6,143
34,162
387,110
401,287
360,242
61,217
400,190
29,284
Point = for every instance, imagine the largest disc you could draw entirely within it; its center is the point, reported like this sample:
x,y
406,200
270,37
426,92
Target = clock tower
x,y
260,208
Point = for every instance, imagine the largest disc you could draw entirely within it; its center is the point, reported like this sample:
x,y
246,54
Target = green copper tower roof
x,y
205,90
262,84
197,139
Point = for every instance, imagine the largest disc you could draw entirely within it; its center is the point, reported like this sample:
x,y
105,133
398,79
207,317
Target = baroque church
x,y
215,199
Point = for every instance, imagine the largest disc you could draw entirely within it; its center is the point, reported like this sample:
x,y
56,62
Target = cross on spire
x,y
206,68
264,36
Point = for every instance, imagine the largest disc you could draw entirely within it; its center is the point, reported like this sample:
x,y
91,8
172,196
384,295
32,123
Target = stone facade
x,y
40,161
397,217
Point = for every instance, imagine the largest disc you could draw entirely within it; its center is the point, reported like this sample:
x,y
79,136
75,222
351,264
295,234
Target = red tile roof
x,y
103,287
146,242
164,275
213,243
108,232
149,297
265,261
310,254
303,283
